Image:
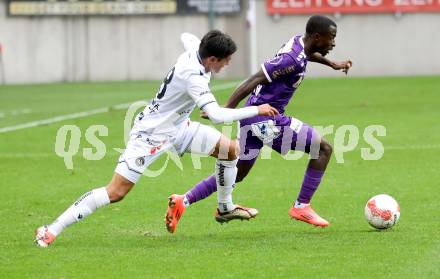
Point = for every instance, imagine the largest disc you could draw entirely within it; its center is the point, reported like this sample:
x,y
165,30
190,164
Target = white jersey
x,y
189,41
185,86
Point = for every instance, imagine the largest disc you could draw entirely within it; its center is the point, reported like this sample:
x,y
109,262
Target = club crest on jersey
x,y
140,161
275,60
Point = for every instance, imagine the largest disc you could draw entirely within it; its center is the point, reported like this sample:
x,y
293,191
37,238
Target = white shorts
x,y
143,149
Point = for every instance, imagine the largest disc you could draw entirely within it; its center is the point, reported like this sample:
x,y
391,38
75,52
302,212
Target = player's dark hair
x,y
319,24
217,44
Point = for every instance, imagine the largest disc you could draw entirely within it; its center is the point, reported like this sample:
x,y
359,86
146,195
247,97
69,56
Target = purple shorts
x,y
281,133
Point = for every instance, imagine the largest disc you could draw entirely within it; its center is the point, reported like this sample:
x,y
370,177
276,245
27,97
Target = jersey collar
x,y
301,42
198,57
202,68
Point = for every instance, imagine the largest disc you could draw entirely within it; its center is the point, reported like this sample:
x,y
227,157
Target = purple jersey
x,y
284,72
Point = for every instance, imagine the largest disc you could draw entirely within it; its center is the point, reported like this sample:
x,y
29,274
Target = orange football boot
x,y
43,237
174,212
308,215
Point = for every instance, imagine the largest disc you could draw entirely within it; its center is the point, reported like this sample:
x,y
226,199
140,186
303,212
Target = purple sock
x,y
202,190
311,181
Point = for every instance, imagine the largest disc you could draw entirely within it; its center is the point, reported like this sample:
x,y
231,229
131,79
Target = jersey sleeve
x,y
279,67
198,89
190,42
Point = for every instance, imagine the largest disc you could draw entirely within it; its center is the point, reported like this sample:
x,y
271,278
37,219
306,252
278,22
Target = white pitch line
x,y
86,113
52,120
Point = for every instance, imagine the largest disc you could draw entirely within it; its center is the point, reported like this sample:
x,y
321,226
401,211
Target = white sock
x,y
83,207
225,174
186,202
300,205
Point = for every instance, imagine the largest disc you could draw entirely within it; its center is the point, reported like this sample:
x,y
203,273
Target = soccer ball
x,y
382,211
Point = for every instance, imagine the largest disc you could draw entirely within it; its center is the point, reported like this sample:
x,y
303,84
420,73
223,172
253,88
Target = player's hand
x,y
344,66
204,115
267,110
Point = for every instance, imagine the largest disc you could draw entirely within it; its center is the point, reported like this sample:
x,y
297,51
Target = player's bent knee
x,y
118,188
242,171
239,178
234,150
115,196
326,148
226,149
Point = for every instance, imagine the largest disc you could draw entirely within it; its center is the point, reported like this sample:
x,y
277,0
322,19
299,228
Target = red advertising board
x,y
350,6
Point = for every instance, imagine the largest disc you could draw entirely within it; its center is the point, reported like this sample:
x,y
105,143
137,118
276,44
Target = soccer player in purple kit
x,y
275,84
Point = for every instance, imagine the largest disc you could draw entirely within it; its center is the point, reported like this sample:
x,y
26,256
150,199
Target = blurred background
x,y
101,40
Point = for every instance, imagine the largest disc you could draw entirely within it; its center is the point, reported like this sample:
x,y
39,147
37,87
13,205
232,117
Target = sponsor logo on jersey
x,y
155,149
283,71
204,93
153,108
185,112
147,140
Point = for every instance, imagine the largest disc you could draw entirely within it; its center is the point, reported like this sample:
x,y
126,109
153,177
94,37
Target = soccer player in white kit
x,y
164,125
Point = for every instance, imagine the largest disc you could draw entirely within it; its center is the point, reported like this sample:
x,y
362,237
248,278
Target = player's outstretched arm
x,y
245,88
267,110
224,115
319,58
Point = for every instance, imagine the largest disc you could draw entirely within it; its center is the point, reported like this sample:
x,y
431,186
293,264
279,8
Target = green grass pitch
x,y
129,239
